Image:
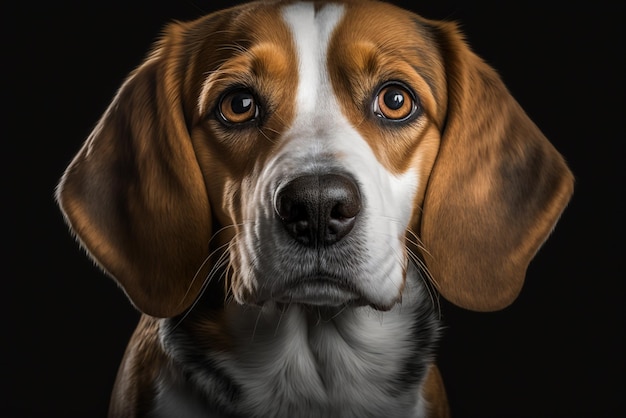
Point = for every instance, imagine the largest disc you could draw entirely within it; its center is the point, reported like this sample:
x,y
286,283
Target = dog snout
x,y
318,210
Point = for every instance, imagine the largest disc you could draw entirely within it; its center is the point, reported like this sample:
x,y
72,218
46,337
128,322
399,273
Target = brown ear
x,y
134,194
496,190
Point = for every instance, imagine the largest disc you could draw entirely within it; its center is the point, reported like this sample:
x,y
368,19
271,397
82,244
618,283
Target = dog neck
x,y
268,361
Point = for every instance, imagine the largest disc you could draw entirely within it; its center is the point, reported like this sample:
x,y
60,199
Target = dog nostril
x,y
318,210
291,208
348,204
289,211
294,217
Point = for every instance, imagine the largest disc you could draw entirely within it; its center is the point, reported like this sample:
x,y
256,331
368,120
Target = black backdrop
x,y
557,352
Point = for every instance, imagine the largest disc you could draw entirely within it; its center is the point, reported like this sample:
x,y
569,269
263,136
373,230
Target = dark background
x,y
556,352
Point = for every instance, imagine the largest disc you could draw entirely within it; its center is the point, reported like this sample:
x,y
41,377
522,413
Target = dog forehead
x,y
297,57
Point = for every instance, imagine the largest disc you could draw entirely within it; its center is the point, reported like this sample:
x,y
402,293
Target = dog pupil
x,y
394,99
241,103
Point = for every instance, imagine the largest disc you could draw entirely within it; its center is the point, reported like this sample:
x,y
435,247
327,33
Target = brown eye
x,y
238,107
394,102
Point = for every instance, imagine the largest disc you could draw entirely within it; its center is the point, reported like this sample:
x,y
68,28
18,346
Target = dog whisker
x,y
418,242
256,324
207,258
340,311
429,282
204,263
218,266
280,318
261,131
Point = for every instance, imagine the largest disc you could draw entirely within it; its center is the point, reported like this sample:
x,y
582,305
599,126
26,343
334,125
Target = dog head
x,y
307,152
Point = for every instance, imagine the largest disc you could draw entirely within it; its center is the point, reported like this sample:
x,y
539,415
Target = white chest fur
x,y
339,367
300,362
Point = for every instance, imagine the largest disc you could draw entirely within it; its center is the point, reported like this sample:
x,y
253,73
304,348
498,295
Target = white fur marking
x,y
311,33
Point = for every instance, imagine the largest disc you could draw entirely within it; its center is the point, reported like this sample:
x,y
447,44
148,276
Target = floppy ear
x,y
496,189
134,194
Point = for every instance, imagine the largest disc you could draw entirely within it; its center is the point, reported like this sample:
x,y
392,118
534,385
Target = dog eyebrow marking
x,y
311,29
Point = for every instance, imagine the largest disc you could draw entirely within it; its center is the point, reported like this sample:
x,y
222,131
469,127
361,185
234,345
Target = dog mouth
x,y
319,291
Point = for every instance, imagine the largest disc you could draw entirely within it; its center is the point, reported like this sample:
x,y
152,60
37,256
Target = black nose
x,y
318,210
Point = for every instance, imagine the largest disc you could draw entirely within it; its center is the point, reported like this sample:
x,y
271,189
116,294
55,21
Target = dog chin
x,y
323,293
319,293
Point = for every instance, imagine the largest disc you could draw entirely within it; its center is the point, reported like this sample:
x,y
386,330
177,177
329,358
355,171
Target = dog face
x,y
307,153
321,184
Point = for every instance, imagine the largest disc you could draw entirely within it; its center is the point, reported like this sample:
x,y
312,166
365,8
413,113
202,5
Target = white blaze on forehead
x,y
311,30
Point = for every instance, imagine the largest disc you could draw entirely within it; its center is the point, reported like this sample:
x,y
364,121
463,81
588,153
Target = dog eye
x,y
238,107
395,102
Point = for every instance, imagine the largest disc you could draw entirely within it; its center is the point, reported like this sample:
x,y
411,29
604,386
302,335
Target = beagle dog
x,y
284,188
